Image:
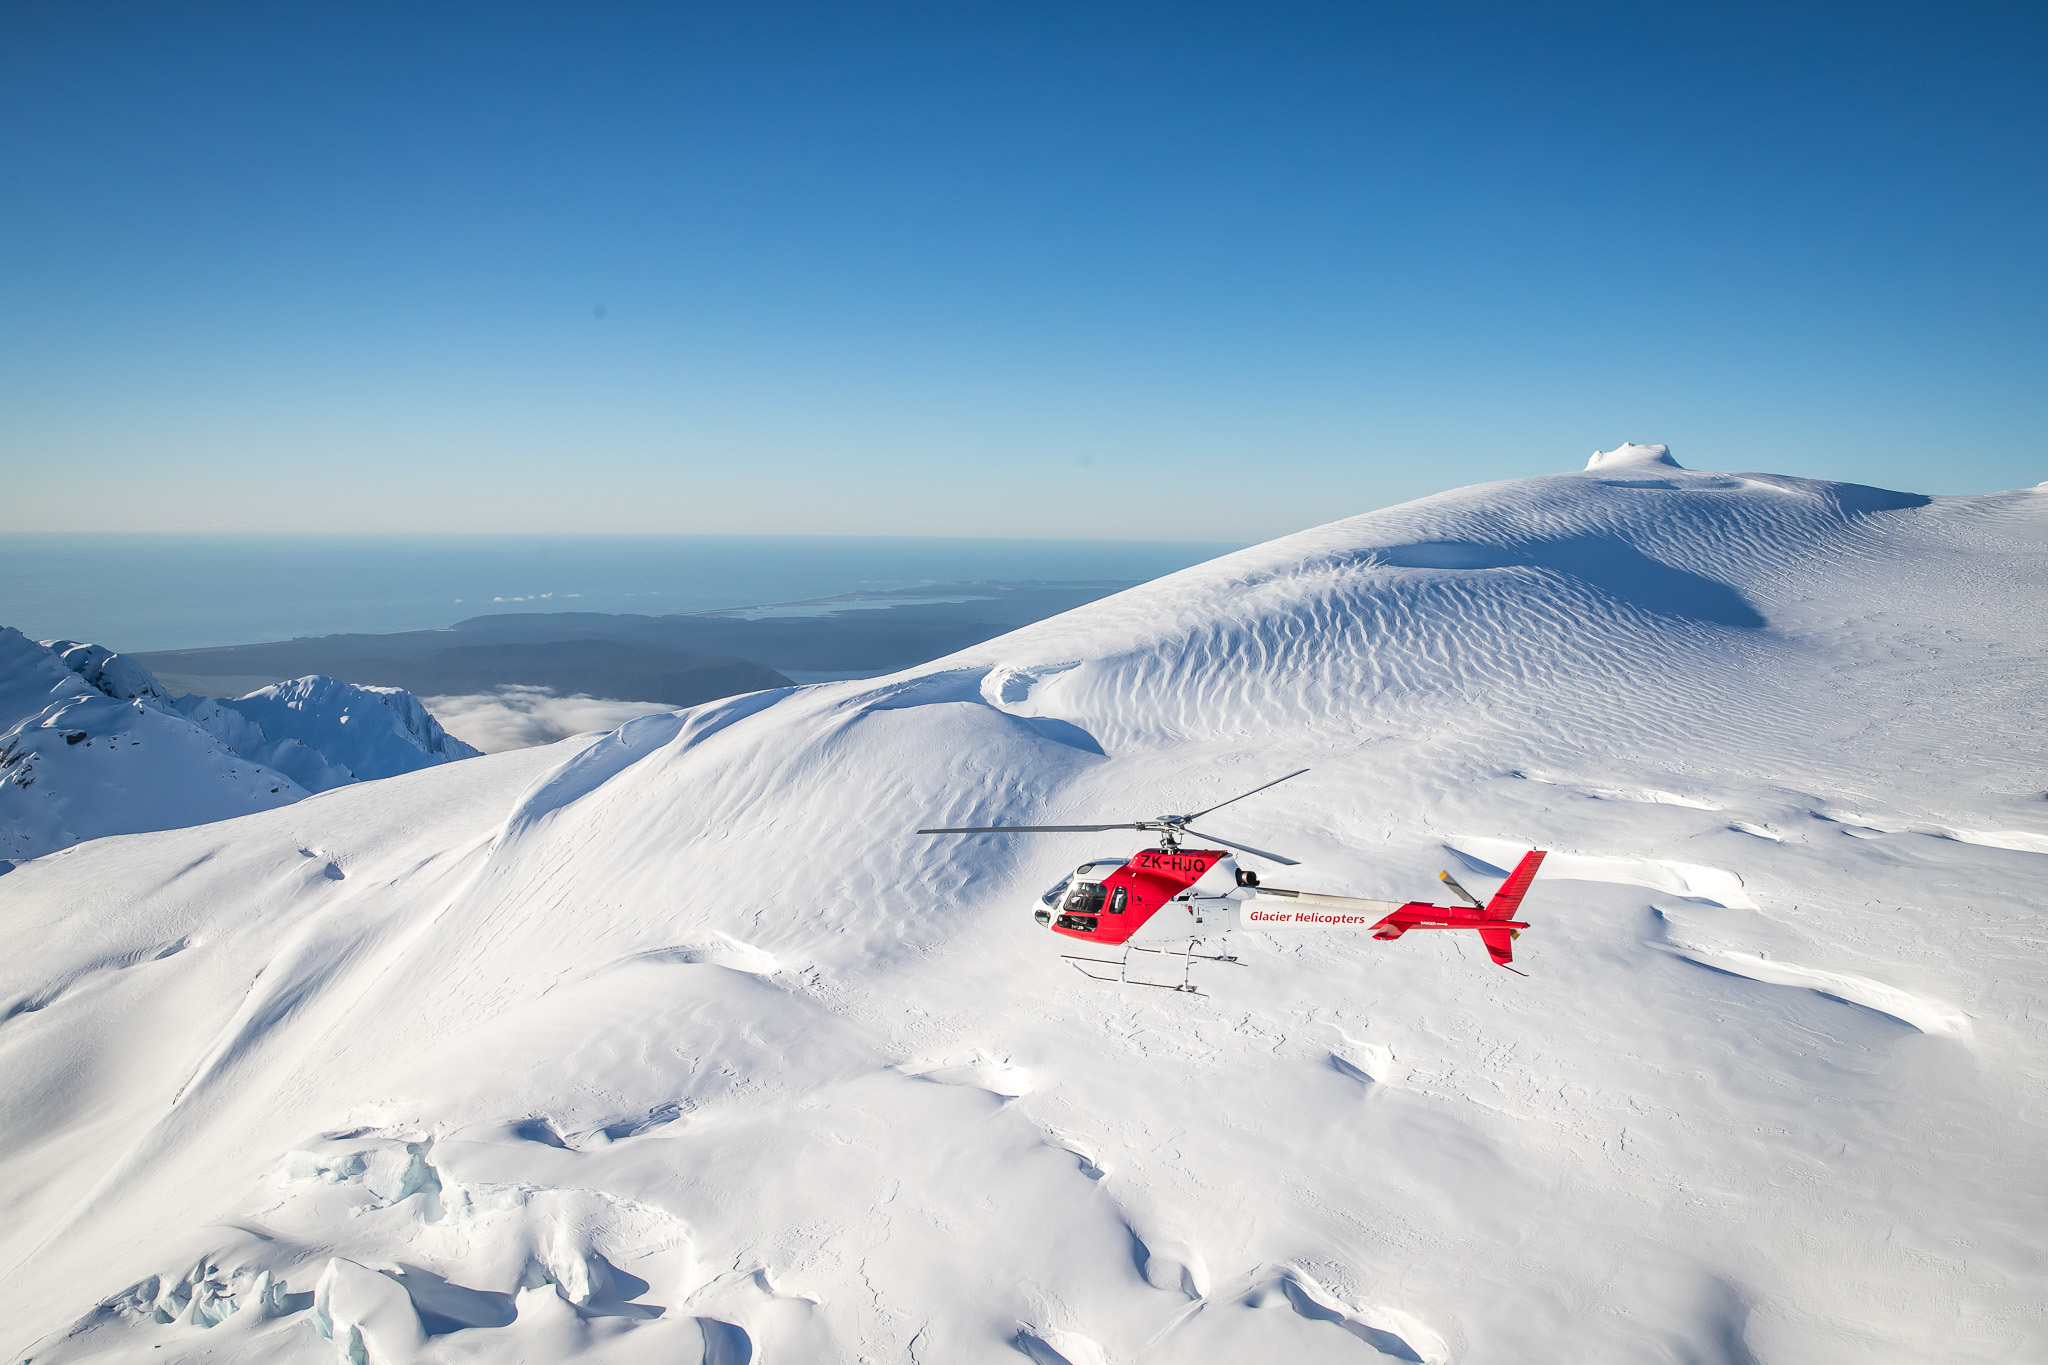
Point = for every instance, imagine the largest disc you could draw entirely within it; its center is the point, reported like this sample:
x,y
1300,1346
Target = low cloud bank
x,y
520,717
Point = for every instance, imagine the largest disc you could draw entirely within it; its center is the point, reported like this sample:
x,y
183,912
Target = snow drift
x,y
676,1044
92,745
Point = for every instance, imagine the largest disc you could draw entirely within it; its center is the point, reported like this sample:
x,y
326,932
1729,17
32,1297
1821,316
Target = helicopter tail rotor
x,y
1469,898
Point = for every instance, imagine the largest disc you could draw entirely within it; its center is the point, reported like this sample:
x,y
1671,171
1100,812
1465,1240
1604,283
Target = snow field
x,y
678,1045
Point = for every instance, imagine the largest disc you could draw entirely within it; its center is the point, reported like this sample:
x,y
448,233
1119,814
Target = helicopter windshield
x,y
1085,899
1059,888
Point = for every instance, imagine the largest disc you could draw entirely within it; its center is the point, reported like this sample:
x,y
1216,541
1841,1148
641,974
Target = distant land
x,y
676,660
144,593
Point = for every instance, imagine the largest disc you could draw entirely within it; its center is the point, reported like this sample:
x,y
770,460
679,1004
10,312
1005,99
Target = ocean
x,y
157,592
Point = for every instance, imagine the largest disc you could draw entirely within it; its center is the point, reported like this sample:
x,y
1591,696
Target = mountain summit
x,y
1628,453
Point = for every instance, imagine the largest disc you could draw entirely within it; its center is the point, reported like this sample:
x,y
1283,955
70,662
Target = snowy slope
x,y
91,745
678,1045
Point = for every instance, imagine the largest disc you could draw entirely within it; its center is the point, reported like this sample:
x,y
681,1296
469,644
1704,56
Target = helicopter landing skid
x,y
1122,964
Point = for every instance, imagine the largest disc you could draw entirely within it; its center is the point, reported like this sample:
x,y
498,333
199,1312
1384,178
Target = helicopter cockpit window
x,y
1084,899
1052,897
1117,900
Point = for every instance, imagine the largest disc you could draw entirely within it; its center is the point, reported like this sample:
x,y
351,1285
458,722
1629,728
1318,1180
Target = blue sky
x,y
1029,269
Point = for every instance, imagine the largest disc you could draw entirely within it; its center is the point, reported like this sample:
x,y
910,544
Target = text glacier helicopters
x,y
1175,895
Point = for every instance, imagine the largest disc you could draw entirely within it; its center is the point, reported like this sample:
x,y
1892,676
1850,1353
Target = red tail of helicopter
x,y
1176,895
1495,920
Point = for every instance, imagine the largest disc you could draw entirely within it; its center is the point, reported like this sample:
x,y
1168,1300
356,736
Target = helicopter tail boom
x,y
1309,907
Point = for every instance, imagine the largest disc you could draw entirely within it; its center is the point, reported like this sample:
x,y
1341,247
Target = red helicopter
x,y
1171,894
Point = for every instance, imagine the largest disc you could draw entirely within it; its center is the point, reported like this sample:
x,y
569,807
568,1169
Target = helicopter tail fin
x,y
1508,899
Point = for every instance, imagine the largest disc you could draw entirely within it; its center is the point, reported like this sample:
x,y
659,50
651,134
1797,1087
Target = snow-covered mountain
x,y
91,745
327,734
679,1045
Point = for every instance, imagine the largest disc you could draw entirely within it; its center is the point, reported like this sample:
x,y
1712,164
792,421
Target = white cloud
x,y
521,717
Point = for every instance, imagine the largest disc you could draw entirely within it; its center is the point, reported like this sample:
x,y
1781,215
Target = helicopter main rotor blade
x,y
1243,848
1030,829
1241,795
